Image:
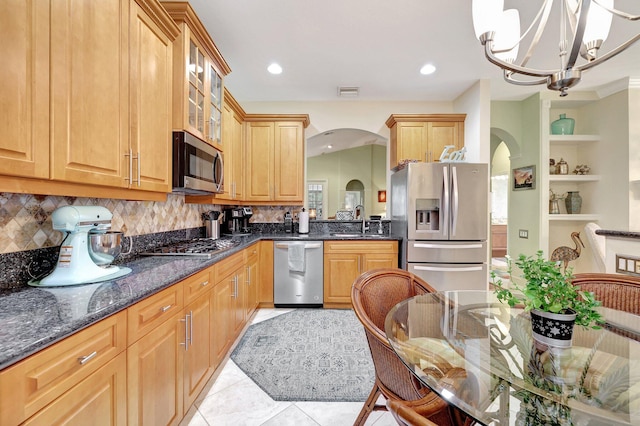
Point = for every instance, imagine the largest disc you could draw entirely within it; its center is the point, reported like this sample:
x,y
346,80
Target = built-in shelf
x,y
573,139
574,217
574,178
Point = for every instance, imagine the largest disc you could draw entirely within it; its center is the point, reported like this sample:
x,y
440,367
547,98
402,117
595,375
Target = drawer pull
x,y
85,359
204,283
165,308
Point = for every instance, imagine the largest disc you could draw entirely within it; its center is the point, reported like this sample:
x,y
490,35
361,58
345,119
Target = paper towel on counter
x,y
303,222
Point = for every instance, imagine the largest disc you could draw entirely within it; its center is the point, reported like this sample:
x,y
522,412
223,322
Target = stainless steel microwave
x,y
197,166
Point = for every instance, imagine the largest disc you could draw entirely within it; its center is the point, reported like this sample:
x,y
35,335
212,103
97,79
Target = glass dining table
x,y
478,355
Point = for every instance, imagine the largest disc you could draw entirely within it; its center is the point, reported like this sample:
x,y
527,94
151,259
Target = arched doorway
x,y
503,148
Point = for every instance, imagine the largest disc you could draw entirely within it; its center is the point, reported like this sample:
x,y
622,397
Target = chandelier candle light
x,y
584,27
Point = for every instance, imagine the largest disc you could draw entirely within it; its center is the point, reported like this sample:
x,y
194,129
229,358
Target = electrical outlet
x,y
523,233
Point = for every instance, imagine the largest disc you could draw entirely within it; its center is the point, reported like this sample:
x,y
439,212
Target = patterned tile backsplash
x,y
25,222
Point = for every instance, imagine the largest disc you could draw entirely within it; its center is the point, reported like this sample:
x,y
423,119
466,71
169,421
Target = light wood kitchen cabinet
x,y
147,314
423,137
32,384
100,399
89,59
157,333
144,365
87,99
233,141
24,89
111,47
221,314
228,304
199,325
344,261
198,73
275,158
252,278
155,374
151,104
199,344
265,271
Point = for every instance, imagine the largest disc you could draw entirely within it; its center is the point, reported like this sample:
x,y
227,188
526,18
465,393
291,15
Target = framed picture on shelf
x,y
524,178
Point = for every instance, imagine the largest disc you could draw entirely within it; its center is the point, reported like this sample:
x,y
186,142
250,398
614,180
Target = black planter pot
x,y
554,330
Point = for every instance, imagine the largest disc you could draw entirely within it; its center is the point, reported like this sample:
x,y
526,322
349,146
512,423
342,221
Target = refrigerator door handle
x,y
445,218
454,200
445,269
447,246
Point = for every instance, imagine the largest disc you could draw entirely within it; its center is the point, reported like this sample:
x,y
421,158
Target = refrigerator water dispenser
x,y
427,214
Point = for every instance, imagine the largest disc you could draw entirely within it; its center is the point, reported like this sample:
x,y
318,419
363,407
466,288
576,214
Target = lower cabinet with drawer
x,y
170,364
145,365
35,385
344,261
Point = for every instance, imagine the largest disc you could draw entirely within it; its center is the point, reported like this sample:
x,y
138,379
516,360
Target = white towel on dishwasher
x,y
296,257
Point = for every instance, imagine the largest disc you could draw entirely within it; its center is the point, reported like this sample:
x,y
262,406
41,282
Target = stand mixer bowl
x,y
105,246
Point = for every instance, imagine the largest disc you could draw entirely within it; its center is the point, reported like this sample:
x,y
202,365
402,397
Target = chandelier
x,y
584,26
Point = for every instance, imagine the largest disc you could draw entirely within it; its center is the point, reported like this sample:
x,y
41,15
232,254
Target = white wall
x,y
369,116
517,124
634,155
476,103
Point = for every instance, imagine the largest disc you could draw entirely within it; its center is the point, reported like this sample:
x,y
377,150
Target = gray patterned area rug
x,y
308,355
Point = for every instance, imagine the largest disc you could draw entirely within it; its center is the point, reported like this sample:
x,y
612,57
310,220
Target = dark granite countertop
x,y
619,234
33,318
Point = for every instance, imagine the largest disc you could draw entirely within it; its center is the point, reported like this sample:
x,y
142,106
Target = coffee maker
x,y
236,220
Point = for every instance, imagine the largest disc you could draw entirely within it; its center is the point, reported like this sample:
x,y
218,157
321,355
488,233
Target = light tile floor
x,y
232,398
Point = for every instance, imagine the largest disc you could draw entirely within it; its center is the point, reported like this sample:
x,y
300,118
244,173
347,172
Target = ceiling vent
x,y
351,92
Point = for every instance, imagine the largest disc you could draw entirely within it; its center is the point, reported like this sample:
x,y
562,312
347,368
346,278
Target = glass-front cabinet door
x,y
196,88
215,107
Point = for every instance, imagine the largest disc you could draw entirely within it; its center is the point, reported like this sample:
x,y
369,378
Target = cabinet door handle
x,y
84,359
233,292
138,157
130,178
165,308
186,332
204,283
191,328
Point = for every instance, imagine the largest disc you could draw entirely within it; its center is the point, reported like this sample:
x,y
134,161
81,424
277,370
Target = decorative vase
x,y
553,330
562,168
573,202
563,125
554,207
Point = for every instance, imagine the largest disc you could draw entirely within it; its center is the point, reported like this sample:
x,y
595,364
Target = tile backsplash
x,y
25,222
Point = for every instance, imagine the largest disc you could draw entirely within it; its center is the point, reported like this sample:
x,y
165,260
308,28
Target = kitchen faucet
x,y
364,223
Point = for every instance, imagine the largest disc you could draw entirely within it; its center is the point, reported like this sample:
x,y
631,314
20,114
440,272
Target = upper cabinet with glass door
x,y
215,107
198,74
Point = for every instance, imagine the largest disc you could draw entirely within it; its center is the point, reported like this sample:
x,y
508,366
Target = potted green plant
x,y
548,293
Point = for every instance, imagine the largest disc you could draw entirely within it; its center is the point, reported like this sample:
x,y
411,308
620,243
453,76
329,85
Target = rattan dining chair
x,y
615,291
405,415
373,294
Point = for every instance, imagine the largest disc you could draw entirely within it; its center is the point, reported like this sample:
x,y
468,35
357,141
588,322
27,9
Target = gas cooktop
x,y
200,247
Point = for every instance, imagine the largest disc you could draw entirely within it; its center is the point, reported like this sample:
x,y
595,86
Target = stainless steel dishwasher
x,y
298,274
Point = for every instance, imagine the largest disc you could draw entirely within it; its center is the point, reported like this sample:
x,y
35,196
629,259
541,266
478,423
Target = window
x,y
316,197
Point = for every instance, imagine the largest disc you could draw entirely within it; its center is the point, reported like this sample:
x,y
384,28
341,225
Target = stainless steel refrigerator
x,y
441,212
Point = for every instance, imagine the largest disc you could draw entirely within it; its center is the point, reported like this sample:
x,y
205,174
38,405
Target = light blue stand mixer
x,y
88,250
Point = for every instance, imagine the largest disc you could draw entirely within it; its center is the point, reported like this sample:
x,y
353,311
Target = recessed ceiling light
x,y
427,69
274,68
329,146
